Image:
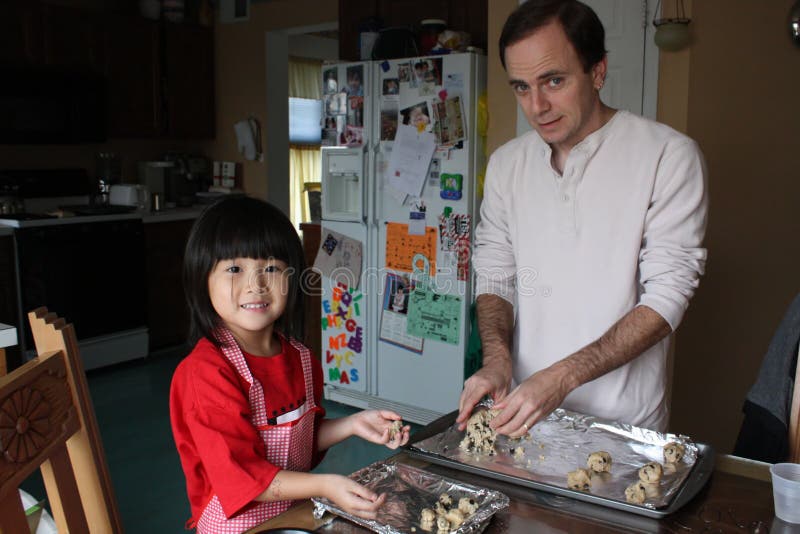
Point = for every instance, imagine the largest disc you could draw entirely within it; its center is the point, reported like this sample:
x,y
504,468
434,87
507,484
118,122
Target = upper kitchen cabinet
x,y
134,77
73,39
20,33
463,15
160,79
189,82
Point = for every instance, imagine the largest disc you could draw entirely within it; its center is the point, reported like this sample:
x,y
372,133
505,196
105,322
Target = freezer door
x,y
343,313
346,100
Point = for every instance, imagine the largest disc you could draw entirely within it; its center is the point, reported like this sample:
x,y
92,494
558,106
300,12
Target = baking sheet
x,y
562,442
408,490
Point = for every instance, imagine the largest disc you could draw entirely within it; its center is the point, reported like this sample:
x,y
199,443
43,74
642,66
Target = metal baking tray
x,y
561,443
408,490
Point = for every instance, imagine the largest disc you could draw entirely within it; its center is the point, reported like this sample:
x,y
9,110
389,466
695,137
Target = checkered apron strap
x,y
286,445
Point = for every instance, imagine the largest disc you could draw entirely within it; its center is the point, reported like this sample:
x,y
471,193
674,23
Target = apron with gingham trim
x,y
287,444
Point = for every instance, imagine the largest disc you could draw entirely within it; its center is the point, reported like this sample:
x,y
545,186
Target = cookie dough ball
x,y
446,500
395,429
467,505
580,479
440,509
599,462
455,518
480,438
427,516
636,493
650,473
673,452
518,452
442,524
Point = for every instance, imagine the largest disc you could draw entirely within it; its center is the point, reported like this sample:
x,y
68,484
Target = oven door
x,y
92,274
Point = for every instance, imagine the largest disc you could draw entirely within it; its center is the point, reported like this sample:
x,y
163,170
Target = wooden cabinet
x,y
8,296
73,39
313,302
463,15
134,79
20,33
189,81
167,314
161,79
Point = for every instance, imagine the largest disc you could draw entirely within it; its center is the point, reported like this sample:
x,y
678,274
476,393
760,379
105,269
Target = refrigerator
x,y
402,161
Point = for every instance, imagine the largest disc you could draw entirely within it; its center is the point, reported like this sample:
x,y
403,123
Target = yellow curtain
x,y
304,161
304,166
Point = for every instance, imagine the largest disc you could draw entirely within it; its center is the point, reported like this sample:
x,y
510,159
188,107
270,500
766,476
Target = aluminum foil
x,y
562,442
408,490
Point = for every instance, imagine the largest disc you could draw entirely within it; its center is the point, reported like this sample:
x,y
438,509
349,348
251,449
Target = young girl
x,y
245,404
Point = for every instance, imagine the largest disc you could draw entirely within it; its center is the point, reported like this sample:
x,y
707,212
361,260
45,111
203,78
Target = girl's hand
x,y
375,426
352,497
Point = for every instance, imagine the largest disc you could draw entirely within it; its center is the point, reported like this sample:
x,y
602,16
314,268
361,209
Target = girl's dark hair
x,y
581,24
241,227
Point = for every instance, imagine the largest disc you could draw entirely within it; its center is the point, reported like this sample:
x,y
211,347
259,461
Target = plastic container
x,y
786,491
429,34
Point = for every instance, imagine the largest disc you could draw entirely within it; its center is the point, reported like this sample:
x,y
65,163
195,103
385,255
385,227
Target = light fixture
x,y
672,34
794,23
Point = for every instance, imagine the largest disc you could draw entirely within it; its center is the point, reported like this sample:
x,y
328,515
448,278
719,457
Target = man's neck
x,y
560,152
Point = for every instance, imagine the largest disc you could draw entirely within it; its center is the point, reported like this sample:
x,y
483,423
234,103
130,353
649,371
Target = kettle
x,y
129,195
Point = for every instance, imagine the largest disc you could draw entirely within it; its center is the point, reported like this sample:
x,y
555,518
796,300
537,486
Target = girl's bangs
x,y
244,236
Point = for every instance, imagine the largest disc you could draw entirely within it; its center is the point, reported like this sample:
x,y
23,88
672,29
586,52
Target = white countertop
x,y
173,214
8,336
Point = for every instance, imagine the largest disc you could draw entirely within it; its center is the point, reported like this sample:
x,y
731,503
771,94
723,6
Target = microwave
x,y
50,106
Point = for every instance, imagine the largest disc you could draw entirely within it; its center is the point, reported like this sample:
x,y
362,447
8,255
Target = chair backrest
x,y
794,417
57,431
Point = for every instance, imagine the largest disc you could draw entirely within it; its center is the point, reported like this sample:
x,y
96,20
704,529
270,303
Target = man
x,y
590,241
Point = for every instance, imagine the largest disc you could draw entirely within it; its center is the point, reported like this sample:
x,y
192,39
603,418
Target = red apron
x,y
287,444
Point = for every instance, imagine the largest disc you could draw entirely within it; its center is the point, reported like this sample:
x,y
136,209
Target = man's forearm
x,y
496,327
637,331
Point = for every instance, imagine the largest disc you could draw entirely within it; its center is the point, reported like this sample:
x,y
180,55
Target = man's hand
x,y
491,379
532,400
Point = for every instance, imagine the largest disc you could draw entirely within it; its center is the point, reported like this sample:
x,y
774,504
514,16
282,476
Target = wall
x,y
734,91
242,78
742,109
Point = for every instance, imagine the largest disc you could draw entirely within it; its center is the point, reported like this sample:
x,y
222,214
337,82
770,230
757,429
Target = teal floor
x,y
131,403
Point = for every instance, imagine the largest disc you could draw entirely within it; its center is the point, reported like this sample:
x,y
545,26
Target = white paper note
x,y
410,159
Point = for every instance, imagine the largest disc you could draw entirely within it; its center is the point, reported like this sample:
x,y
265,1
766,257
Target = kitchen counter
x,y
165,215
739,495
173,214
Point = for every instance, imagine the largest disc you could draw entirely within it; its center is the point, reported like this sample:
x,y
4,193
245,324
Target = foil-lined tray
x,y
562,443
408,490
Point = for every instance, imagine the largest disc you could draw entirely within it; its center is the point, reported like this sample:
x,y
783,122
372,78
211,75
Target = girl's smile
x,y
250,295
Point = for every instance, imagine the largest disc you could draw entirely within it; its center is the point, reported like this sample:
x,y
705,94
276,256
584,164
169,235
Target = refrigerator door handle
x,y
364,174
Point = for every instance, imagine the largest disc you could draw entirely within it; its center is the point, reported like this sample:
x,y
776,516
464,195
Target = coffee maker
x,y
177,178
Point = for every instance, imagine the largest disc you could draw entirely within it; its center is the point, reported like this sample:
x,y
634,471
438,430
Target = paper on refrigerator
x,y
411,156
339,258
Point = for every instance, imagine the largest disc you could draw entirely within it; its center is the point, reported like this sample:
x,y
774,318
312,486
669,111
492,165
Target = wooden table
x,y
8,338
738,498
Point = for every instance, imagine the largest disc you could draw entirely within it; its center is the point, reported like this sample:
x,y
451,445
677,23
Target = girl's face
x,y
249,295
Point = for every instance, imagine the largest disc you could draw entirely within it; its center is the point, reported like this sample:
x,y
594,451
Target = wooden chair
x,y
47,421
794,417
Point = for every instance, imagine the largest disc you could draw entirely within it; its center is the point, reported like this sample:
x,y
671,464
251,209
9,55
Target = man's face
x,y
559,99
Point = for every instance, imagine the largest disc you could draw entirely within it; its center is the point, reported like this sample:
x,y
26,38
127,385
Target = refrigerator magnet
x,y
450,186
